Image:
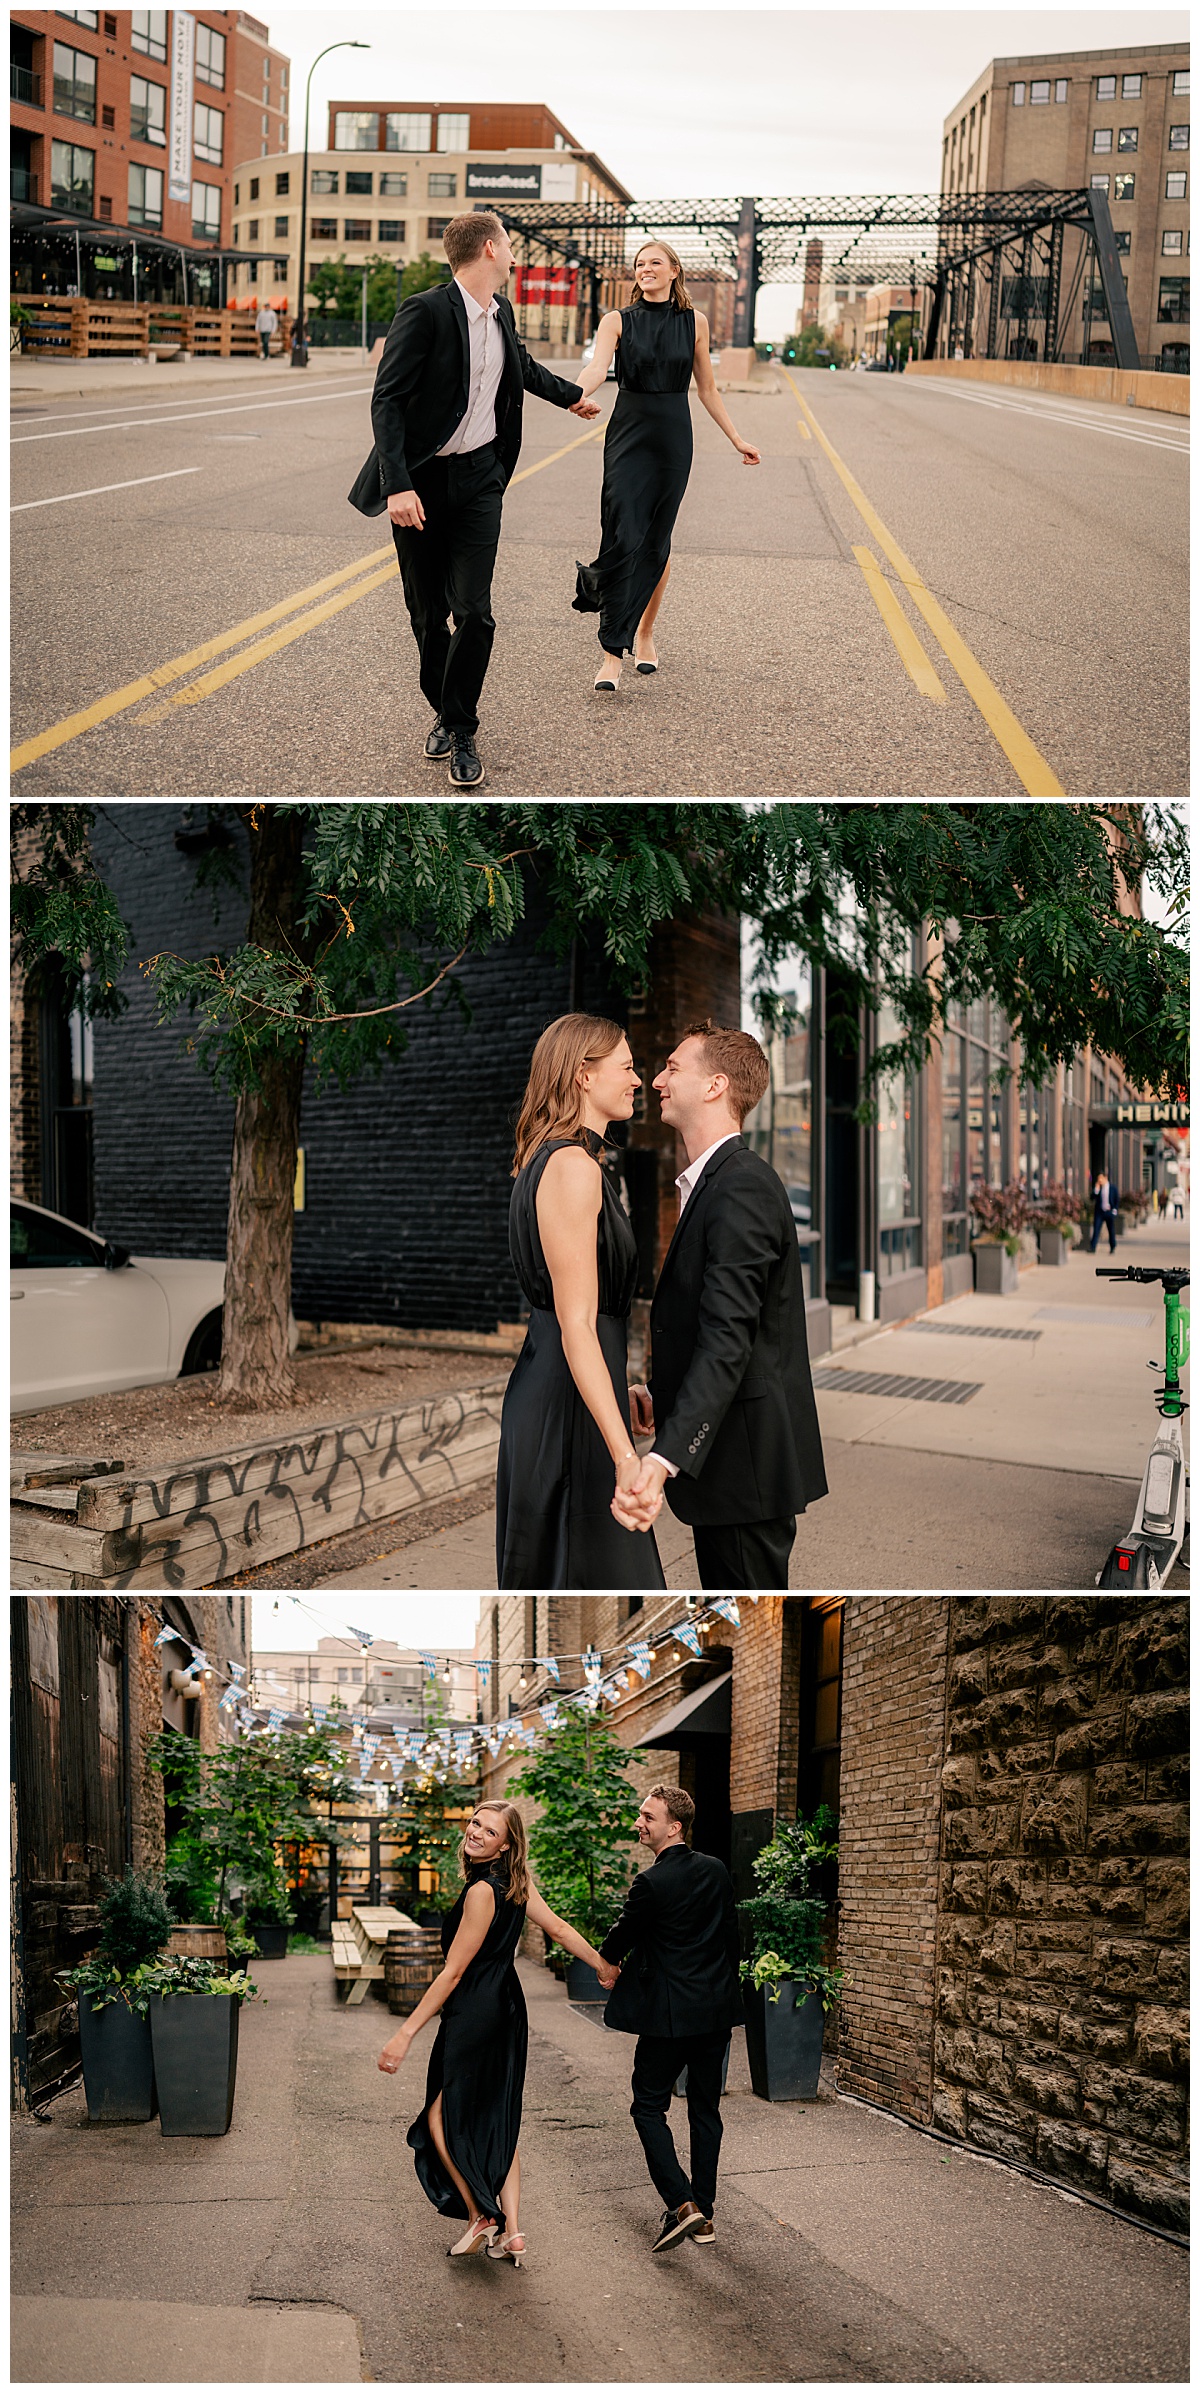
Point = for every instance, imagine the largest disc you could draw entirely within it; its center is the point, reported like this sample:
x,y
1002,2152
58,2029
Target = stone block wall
x,y
1061,2034
893,1699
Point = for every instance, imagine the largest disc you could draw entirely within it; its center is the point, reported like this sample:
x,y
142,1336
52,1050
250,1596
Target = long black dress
x,y
477,2064
554,1478
647,460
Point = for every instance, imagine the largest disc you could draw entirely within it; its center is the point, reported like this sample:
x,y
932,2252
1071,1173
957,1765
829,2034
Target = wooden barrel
x,y
410,1965
207,1943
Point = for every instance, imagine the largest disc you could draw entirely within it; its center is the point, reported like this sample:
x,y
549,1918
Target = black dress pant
x,y
657,2062
754,1555
446,569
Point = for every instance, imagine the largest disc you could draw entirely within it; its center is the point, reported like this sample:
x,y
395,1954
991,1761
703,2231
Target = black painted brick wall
x,y
408,1185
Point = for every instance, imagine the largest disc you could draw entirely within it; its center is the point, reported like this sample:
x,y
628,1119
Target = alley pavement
x,y
900,600
996,1441
850,2247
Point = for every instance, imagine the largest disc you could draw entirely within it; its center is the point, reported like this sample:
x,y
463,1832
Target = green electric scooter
x,y
1147,1555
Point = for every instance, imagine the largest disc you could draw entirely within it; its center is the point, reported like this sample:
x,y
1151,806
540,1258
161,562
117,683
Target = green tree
x,y
337,286
240,1805
582,1847
359,911
802,348
423,273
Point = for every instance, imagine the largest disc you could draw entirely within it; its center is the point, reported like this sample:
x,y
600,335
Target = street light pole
x,y
299,343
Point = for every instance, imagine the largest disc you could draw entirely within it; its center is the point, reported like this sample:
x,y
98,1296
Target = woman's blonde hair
x,y
679,289
517,1890
552,1106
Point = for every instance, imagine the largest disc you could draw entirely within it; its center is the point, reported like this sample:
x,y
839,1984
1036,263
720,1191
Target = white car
x,y
87,1318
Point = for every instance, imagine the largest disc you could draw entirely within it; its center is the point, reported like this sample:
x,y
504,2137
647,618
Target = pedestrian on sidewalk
x,y
265,324
680,1996
1105,1214
465,2139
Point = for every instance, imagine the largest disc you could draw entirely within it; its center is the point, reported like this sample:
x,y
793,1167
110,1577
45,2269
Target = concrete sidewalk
x,y
850,2248
96,377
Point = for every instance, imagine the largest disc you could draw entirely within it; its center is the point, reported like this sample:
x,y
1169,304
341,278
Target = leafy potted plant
x,y
235,1809
1055,1217
114,2032
1132,1210
580,1846
194,2007
268,1917
788,1984
19,322
1001,1215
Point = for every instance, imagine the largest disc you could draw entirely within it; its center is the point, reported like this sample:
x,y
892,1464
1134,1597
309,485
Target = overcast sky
x,y
440,1622
704,101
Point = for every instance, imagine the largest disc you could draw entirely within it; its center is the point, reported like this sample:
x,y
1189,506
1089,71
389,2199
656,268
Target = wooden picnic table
x,y
359,1944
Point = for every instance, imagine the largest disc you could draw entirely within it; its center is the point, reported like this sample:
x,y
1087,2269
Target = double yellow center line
x,y
350,582
1029,765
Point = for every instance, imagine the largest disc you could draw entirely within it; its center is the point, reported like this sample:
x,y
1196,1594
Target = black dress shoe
x,y
466,764
439,743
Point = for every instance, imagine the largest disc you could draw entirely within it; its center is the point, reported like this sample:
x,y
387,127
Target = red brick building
x,y
125,128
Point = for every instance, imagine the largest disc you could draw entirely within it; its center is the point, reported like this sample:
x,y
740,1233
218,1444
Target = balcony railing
x,y
24,85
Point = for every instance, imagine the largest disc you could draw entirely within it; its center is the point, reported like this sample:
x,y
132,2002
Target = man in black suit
x,y
446,409
737,1444
680,1996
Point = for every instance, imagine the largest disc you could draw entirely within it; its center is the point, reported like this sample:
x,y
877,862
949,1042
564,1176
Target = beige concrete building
x,y
1116,118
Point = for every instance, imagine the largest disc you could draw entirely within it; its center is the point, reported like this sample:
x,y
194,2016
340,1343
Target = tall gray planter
x,y
118,2064
195,2061
783,2043
1053,1247
995,1269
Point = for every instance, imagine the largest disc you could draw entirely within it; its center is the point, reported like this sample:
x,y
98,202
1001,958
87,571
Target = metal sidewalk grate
x,y
972,1329
893,1383
1096,1316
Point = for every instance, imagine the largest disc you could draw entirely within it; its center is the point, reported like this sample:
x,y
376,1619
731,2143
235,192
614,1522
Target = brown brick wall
x,y
893,1694
766,1706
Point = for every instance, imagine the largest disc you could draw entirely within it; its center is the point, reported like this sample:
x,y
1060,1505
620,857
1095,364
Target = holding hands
x,y
637,1504
584,407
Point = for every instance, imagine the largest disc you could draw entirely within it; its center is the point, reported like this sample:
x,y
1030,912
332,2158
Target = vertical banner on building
x,y
183,84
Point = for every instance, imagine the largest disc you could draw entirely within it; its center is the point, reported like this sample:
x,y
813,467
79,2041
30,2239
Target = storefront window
x,y
954,1202
781,1128
896,1161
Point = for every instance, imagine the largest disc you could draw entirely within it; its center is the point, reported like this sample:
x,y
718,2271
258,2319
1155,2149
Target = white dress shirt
x,y
686,1185
487,365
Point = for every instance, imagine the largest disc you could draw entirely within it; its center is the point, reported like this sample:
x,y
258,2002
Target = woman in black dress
x,y
659,343
566,1439
465,2140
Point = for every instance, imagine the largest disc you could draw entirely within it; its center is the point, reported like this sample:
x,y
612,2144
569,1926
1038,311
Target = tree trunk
x,y
256,1374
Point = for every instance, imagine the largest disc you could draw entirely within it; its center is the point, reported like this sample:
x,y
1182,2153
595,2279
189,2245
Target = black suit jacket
x,y
678,1940
423,385
730,1378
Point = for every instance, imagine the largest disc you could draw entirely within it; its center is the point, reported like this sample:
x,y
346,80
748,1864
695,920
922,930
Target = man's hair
x,y
465,236
679,1806
741,1059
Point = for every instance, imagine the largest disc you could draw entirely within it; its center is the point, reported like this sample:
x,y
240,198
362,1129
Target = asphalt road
x,y
925,589
850,2248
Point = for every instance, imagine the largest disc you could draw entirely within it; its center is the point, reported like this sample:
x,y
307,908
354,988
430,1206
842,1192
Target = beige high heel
x,y
509,2247
480,2236
604,680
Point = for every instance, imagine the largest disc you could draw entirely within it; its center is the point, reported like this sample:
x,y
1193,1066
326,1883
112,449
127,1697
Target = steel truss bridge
x,y
999,271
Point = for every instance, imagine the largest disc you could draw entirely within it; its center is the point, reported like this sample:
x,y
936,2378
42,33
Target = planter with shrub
x,y
194,2007
114,2031
788,1986
1001,1215
1055,1216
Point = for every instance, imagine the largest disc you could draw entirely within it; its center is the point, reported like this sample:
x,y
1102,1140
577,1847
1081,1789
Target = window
x,y
147,111
1127,137
252,229
1181,81
82,16
323,182
819,1756
108,118
208,136
1106,87
357,228
206,211
393,186
1179,137
1172,245
74,84
281,186
1099,182
1123,186
390,229
1131,87
252,271
896,1162
954,1198
324,228
72,178
148,32
38,1244
1039,95
1018,92
356,129
1176,186
435,226
210,56
1102,139
145,196
1121,242
407,132
359,185
443,186
281,228
454,133
1173,291
1060,91
254,182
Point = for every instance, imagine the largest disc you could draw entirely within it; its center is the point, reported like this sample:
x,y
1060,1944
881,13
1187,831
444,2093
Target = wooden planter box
x,y
995,1269
194,1523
